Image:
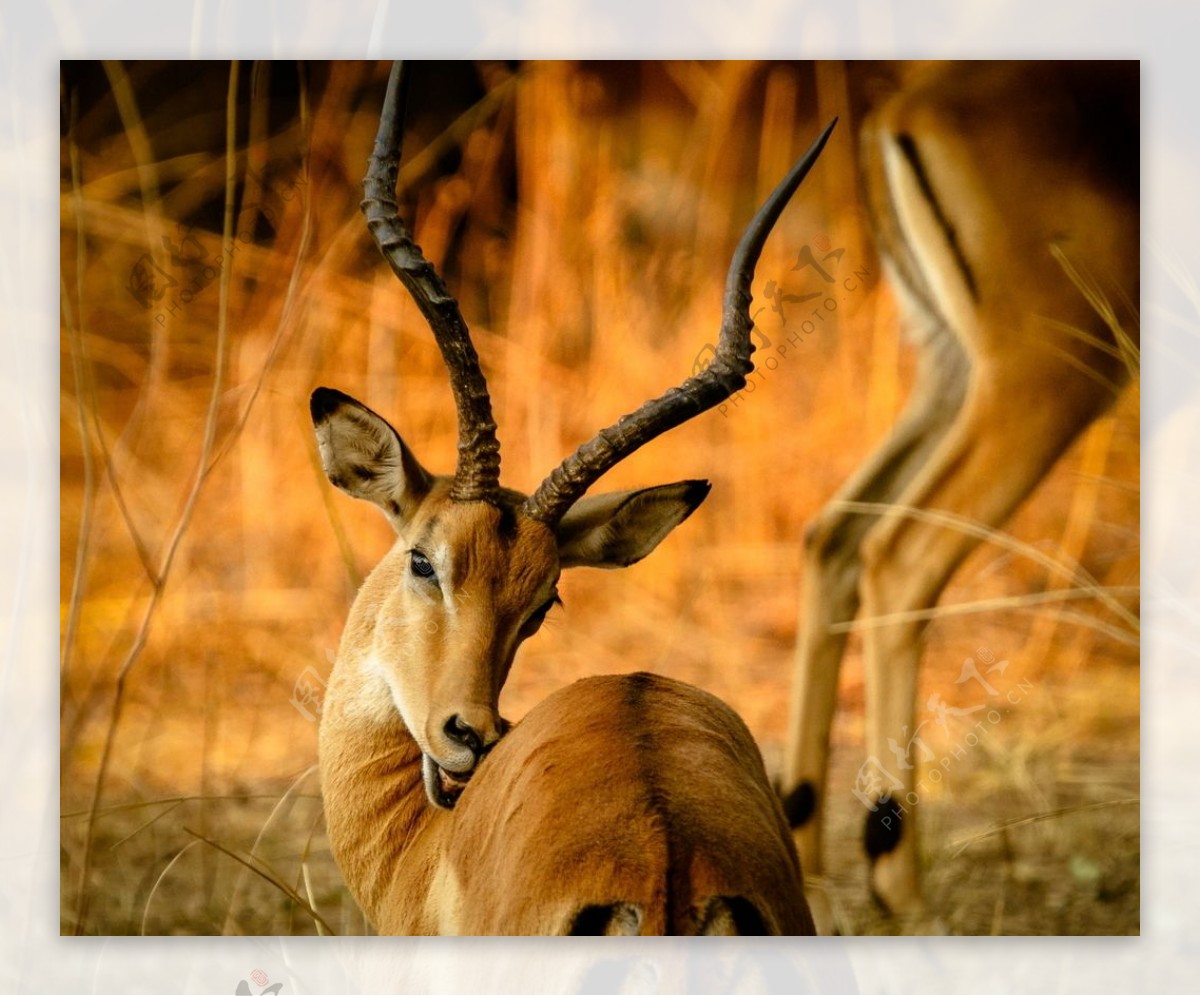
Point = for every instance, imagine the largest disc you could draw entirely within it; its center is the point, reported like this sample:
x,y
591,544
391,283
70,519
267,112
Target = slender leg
x,y
1000,447
831,589
1026,255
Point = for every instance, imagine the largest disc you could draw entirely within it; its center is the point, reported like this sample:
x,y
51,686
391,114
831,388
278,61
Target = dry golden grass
x,y
584,215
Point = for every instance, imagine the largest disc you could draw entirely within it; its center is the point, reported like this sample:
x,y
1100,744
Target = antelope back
x,y
626,804
620,805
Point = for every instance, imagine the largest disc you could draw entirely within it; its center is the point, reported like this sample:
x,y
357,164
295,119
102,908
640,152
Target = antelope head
x,y
475,566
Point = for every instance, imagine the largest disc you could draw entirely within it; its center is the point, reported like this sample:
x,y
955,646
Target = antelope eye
x,y
534,622
421,567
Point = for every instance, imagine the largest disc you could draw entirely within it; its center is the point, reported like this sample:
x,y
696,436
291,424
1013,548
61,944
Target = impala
x,y
628,804
1004,200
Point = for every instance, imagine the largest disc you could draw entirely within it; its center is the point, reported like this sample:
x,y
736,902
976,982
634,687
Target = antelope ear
x,y
620,528
364,456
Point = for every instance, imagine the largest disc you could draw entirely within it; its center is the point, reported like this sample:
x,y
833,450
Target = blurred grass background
x,y
584,214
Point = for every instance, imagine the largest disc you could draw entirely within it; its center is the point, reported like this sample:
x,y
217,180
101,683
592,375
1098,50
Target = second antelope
x,y
626,804
1004,202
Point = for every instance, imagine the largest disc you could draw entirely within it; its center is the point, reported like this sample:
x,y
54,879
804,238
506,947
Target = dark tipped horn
x,y
477,477
726,373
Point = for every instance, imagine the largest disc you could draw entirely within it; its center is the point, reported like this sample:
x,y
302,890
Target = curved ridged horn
x,y
477,477
724,375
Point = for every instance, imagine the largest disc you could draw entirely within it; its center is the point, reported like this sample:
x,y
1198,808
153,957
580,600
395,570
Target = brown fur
x,y
620,805
976,174
632,789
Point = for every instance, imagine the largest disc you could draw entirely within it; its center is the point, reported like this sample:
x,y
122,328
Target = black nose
x,y
462,732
